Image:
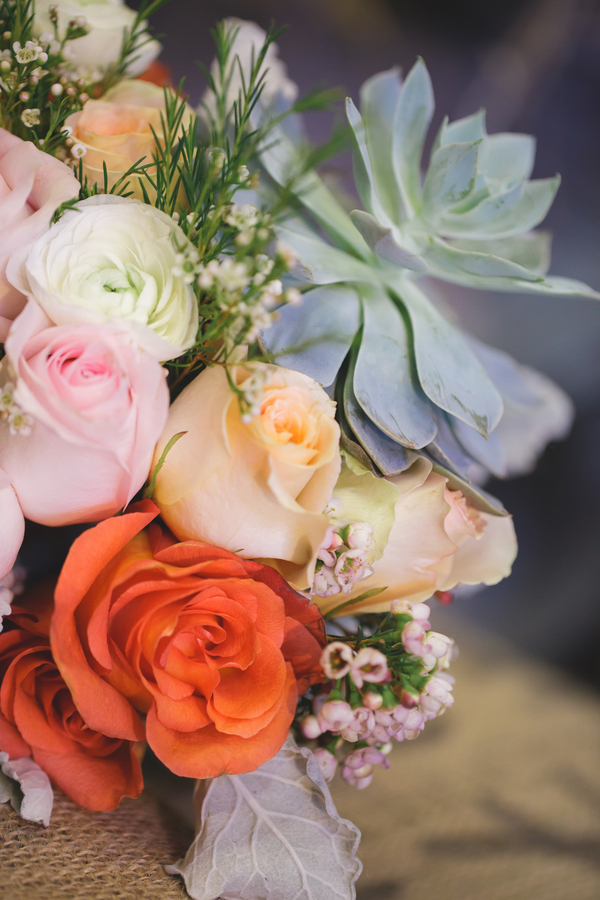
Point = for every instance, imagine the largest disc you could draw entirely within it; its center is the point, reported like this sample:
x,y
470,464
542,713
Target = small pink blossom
x,y
419,611
414,638
437,696
327,762
325,583
378,736
360,536
350,568
358,766
440,652
408,723
369,665
337,659
335,715
329,546
384,717
361,727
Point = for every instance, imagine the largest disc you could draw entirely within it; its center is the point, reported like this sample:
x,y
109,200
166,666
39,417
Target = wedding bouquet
x,y
270,427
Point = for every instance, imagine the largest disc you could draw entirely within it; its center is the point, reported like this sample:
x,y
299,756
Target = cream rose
x,y
112,259
32,185
83,408
119,130
255,487
436,542
100,48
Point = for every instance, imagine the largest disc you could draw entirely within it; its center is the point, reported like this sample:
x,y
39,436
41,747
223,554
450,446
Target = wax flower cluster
x,y
344,559
386,688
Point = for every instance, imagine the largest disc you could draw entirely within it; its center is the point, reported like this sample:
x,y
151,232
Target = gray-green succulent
x,y
406,376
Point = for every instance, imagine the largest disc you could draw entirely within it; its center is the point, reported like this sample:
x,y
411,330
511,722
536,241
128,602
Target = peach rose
x,y
256,487
32,185
84,407
437,541
38,718
120,130
213,649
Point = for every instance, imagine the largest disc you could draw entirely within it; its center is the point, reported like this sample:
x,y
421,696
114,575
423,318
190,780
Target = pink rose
x,y
83,409
32,185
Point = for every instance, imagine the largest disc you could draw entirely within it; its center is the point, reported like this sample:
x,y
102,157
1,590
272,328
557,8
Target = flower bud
x,y
327,762
371,700
408,698
310,728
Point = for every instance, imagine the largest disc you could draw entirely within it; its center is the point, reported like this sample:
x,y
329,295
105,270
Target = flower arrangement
x,y
274,436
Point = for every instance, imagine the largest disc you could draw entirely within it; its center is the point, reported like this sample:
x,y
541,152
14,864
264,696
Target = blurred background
x,y
535,66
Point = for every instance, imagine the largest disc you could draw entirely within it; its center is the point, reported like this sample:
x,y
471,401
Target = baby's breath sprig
x,y
36,91
234,265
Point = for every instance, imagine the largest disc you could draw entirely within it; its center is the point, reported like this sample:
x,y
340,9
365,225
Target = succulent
x,y
406,376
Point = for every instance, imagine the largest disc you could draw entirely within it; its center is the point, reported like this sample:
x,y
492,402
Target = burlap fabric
x,y
498,800
92,856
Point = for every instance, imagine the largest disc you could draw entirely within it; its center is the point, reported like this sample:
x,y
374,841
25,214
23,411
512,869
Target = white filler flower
x,y
111,258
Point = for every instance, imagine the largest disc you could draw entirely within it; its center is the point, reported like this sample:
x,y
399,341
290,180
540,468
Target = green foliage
x,y
37,90
28,107
196,181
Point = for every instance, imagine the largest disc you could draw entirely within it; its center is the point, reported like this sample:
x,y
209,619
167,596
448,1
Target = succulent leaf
x,y
446,256
382,243
384,383
323,264
532,250
450,179
314,337
507,159
449,372
379,97
512,212
411,121
469,128
389,456
284,164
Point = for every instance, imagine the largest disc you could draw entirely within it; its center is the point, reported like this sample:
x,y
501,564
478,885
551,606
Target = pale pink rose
x,y
437,541
12,526
96,405
32,185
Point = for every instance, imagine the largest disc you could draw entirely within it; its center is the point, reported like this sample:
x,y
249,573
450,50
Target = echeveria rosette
x,y
407,377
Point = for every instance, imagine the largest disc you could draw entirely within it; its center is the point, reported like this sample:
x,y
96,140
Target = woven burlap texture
x,y
92,856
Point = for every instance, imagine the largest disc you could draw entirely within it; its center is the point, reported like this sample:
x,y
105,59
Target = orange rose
x,y
38,718
214,649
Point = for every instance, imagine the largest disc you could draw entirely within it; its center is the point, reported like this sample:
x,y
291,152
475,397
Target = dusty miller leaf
x,y
27,787
273,834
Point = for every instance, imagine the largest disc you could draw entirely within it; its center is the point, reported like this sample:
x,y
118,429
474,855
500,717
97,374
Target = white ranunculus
x,y
100,48
112,258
